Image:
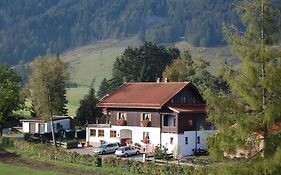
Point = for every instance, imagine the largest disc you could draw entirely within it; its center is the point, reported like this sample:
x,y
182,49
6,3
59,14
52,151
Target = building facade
x,y
149,114
42,126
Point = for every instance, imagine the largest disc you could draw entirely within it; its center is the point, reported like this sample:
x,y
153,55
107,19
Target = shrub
x,y
161,153
109,162
27,137
4,141
97,161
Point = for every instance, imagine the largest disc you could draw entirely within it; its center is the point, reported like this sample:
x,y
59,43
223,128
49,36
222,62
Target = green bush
x,y
97,161
109,162
161,153
4,141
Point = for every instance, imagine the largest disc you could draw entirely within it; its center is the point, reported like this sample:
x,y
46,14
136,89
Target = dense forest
x,y
30,28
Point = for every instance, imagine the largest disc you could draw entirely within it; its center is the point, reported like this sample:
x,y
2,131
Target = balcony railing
x,y
99,125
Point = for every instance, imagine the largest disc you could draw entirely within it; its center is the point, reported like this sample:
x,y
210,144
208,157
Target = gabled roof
x,y
142,95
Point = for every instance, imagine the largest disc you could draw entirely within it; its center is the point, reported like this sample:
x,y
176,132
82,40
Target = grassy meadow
x,y
13,169
95,61
74,95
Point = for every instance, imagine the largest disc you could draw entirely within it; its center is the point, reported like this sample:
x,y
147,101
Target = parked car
x,y
106,148
126,151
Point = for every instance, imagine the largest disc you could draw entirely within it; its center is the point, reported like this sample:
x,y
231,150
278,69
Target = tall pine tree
x,y
253,105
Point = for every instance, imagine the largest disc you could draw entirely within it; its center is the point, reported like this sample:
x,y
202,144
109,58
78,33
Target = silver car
x,y
106,148
126,151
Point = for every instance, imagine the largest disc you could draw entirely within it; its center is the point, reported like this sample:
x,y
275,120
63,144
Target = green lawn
x,y
96,61
7,169
74,95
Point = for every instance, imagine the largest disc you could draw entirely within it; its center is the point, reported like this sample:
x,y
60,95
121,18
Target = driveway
x,y
89,151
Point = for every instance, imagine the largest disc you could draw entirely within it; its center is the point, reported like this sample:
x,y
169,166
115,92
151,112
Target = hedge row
x,y
40,151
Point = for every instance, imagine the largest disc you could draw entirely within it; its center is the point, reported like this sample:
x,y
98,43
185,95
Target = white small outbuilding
x,y
36,125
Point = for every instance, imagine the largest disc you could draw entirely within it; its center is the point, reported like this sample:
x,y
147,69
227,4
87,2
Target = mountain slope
x,y
95,61
31,28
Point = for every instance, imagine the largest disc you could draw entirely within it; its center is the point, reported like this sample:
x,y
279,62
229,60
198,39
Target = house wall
x,y
136,135
165,137
179,147
64,122
134,116
198,119
25,127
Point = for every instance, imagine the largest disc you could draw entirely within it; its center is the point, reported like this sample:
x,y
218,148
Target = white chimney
x,y
158,80
166,80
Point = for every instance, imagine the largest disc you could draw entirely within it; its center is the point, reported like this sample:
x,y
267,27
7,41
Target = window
x,y
169,120
172,100
146,116
186,140
93,132
183,99
145,135
112,133
190,122
101,133
171,140
198,140
121,116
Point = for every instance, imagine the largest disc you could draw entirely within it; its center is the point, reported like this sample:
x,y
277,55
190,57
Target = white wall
x,y
166,141
25,127
186,149
137,134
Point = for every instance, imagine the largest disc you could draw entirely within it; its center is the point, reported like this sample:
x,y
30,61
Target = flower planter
x,y
121,122
146,123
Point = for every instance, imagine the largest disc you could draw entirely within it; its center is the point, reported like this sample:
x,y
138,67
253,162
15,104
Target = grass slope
x,y
12,169
96,61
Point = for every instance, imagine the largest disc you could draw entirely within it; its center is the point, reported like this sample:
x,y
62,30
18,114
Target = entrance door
x,y
31,127
41,127
125,136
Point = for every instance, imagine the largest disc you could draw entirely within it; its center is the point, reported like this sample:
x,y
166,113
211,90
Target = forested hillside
x,y
30,28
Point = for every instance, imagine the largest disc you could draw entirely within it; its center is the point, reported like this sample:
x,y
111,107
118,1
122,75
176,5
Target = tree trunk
x,y
1,131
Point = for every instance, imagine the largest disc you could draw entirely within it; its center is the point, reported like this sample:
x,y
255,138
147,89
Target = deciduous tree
x,y
9,93
47,84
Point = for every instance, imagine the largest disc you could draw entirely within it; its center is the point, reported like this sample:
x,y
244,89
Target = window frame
x,y
99,132
144,113
171,140
93,135
111,133
190,123
144,134
186,140
119,114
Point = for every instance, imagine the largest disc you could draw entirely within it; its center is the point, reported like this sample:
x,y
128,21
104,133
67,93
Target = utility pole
x,y
51,119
